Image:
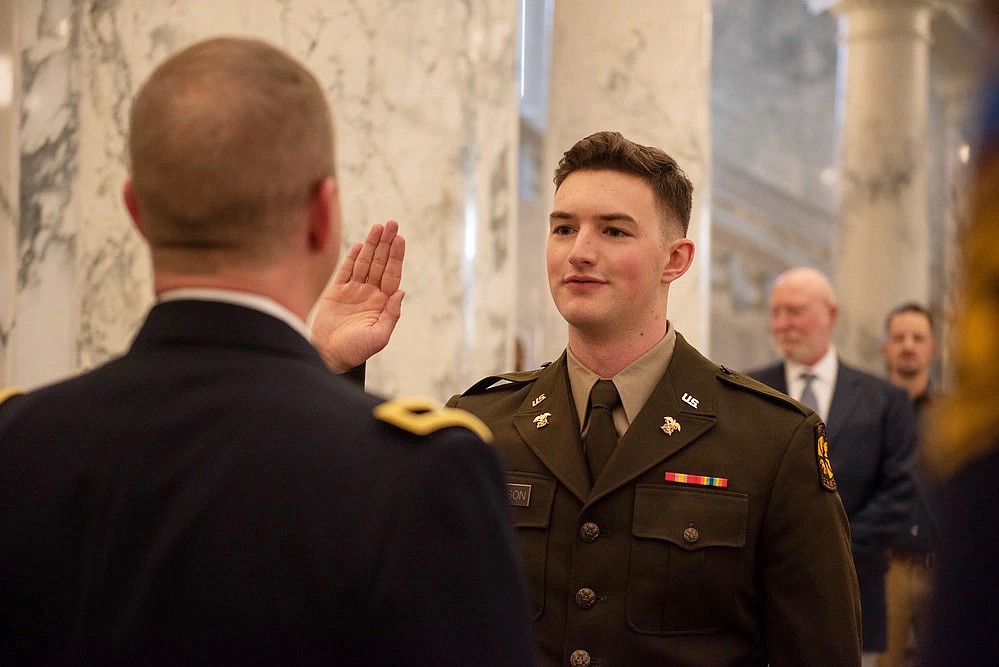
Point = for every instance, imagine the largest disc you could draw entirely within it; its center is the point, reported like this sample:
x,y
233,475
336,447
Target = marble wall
x,y
425,99
644,72
8,181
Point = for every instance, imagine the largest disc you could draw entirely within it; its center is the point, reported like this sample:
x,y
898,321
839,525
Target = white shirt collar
x,y
825,371
246,299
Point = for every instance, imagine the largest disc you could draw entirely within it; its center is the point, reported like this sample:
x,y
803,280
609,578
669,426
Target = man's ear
x,y
322,219
132,204
681,256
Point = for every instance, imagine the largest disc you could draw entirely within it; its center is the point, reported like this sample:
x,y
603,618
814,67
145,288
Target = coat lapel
x,y
558,443
845,397
646,444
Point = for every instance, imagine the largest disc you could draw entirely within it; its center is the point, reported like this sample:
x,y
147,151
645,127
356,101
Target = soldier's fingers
x,y
392,277
363,262
381,255
347,265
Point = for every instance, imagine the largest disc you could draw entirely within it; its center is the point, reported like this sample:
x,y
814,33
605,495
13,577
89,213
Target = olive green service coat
x,y
635,570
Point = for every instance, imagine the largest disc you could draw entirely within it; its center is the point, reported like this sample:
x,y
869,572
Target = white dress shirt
x,y
824,370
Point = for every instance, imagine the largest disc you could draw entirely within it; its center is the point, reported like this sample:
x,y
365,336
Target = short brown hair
x,y
910,307
610,150
229,139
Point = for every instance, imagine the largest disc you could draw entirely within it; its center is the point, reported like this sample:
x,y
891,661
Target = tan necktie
x,y
601,436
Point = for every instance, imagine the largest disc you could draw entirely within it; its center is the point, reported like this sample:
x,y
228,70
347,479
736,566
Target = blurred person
x,y
670,511
964,449
909,348
871,430
217,495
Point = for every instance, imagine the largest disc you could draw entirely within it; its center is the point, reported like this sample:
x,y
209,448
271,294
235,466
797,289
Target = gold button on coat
x,y
586,598
691,535
579,658
589,532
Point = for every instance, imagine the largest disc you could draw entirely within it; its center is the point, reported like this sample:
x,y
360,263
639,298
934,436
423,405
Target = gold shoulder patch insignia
x,y
423,416
822,456
6,394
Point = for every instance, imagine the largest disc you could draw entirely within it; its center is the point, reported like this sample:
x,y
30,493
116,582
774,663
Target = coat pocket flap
x,y
691,518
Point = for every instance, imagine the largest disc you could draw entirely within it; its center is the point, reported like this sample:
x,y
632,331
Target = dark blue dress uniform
x,y
646,567
216,496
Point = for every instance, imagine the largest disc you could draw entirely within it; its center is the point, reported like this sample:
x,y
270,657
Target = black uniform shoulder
x,y
744,382
6,395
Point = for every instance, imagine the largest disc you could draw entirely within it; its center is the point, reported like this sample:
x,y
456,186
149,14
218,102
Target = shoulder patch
x,y
490,381
745,382
6,394
826,478
423,416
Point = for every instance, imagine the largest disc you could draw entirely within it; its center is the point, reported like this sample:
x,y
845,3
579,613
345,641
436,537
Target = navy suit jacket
x,y
217,496
872,445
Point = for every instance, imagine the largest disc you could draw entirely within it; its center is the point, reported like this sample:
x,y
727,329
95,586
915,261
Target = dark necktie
x,y
601,436
807,394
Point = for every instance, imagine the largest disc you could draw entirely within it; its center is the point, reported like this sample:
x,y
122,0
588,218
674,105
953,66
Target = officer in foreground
x,y
217,495
679,513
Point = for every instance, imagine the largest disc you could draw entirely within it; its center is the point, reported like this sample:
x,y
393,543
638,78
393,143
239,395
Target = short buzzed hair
x,y
910,307
229,139
610,150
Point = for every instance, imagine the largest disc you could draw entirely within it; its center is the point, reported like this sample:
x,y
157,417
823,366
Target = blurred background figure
x,y
963,448
872,430
909,349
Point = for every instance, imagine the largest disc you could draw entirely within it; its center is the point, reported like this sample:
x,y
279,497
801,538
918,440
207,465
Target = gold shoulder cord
x,y
9,393
423,416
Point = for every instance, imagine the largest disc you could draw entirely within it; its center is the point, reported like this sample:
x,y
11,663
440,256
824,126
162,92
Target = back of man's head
x,y
610,150
229,140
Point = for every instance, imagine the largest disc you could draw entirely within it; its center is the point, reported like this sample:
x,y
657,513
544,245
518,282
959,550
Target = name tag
x,y
519,494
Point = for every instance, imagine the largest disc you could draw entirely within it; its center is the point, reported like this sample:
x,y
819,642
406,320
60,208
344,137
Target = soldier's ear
x,y
681,256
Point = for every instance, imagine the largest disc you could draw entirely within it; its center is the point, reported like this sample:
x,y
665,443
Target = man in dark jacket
x,y
909,347
217,495
871,425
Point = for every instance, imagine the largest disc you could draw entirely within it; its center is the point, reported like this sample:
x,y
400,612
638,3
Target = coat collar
x,y
688,382
557,442
220,324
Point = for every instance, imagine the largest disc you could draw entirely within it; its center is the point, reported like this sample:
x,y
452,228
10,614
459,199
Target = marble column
x,y
424,95
644,71
883,254
8,183
957,96
41,342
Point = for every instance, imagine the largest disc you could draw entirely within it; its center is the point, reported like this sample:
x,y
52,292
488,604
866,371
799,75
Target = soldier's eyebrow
x,y
604,217
616,217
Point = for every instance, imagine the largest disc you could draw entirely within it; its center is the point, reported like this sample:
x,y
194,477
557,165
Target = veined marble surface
x,y
646,73
425,102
